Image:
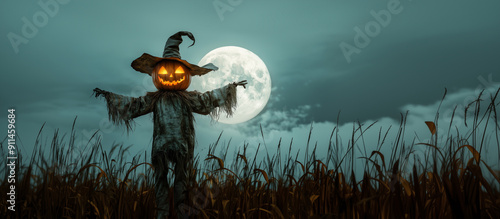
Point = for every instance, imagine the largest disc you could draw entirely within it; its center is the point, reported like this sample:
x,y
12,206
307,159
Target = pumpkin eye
x,y
162,71
179,70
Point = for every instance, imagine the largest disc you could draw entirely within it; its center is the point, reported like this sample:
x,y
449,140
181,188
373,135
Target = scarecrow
x,y
172,107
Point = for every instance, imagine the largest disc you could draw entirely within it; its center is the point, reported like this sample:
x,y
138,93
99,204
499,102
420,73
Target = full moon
x,y
237,64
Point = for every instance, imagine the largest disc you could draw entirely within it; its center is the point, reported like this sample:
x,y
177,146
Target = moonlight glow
x,y
237,64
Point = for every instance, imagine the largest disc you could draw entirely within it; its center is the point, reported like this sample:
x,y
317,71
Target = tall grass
x,y
451,181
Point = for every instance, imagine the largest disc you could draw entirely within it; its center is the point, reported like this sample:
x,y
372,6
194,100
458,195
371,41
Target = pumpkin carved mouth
x,y
171,83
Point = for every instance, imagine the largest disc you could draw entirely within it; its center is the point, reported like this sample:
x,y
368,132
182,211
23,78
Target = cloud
x,y
285,126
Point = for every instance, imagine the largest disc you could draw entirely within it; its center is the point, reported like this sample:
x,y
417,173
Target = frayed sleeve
x,y
216,101
122,109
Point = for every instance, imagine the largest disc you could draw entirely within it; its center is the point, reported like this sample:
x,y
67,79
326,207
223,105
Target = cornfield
x,y
453,181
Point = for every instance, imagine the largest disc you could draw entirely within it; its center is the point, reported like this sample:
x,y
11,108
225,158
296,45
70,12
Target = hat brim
x,y
147,62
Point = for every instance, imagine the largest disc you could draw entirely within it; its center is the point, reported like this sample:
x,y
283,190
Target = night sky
x,y
397,64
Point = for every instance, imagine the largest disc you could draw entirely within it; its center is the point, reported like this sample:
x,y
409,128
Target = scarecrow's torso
x,y
173,123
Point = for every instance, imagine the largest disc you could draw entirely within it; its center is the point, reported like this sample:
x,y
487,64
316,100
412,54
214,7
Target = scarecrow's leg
x,y
180,191
161,186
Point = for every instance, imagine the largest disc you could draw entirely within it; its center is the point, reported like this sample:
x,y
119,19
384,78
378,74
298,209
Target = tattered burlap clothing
x,y
173,136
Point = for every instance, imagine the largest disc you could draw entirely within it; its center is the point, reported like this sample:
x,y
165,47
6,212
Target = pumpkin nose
x,y
171,75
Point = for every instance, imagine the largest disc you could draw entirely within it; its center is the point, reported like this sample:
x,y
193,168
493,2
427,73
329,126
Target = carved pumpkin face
x,y
171,75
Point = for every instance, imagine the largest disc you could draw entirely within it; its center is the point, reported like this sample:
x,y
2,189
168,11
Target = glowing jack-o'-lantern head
x,y
171,75
170,72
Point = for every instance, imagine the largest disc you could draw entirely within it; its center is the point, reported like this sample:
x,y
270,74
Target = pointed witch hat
x,y
147,62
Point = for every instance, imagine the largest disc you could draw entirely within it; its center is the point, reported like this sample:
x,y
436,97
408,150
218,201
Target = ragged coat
x,y
173,135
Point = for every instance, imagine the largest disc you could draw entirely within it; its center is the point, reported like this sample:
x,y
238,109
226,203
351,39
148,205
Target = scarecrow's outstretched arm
x,y
123,109
218,100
